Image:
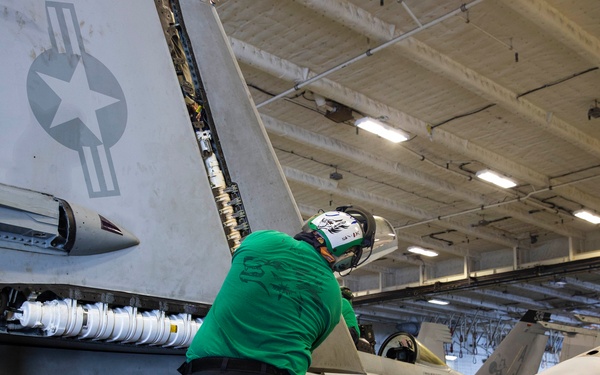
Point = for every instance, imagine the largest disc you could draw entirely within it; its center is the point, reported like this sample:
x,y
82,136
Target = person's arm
x,y
355,335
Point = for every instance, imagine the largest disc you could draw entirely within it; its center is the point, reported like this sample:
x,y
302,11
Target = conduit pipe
x,y
488,206
412,15
338,147
390,204
98,322
286,70
357,19
369,52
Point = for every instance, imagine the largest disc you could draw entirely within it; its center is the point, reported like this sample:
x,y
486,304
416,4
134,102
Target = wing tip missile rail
x,y
38,222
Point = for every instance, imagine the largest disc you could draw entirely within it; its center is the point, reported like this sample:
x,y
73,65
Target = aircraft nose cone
x,y
91,233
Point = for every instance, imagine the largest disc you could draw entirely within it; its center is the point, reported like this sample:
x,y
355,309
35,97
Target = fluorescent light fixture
x,y
381,129
421,251
451,358
588,216
438,302
560,283
496,178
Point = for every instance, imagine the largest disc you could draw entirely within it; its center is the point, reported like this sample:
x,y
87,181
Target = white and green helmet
x,y
345,232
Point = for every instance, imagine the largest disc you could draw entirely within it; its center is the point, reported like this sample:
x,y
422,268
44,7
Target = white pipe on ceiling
x,y
369,52
287,70
360,156
330,186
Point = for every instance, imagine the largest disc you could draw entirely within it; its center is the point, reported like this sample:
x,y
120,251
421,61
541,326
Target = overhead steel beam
x,y
413,260
556,293
558,25
337,147
476,303
583,284
510,297
289,71
470,283
500,307
370,52
423,308
354,194
340,148
379,269
354,18
436,245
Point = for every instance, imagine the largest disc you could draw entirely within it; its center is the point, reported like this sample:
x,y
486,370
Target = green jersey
x,y
350,316
278,302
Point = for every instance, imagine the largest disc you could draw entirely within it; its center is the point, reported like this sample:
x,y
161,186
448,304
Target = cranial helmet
x,y
346,293
343,233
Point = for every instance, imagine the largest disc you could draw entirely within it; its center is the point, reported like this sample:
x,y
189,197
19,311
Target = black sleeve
x,y
354,335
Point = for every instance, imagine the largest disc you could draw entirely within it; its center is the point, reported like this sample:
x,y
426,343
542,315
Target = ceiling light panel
x,y
383,130
496,179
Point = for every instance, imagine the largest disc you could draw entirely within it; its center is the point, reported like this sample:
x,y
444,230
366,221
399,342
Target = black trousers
x,y
230,366
219,372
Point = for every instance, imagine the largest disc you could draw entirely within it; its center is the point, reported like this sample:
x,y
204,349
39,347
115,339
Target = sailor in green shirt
x,y
280,299
349,315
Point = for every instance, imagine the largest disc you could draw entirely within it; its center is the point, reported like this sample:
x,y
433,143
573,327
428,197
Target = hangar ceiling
x,y
504,85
